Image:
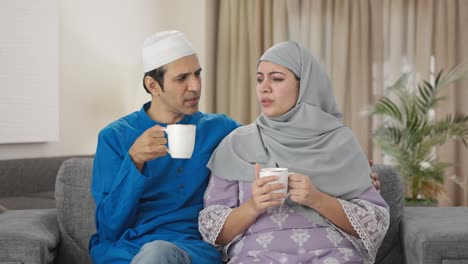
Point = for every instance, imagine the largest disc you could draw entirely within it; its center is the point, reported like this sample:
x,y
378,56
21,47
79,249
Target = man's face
x,y
182,86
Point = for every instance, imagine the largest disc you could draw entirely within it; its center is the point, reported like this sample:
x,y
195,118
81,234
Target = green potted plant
x,y
409,131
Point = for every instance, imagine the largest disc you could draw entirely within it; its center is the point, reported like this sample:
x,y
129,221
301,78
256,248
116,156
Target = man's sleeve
x,y
116,187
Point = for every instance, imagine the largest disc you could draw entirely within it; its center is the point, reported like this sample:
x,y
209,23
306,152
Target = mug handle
x,y
165,131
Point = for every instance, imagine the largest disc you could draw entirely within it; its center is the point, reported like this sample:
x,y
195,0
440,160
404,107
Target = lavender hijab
x,y
309,139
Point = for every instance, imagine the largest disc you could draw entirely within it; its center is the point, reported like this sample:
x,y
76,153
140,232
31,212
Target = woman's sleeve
x,y
369,215
221,196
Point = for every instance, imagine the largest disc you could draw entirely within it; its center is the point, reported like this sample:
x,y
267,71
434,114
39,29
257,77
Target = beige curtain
x,y
245,30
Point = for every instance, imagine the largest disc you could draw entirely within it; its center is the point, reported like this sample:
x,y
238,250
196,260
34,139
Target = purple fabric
x,y
283,236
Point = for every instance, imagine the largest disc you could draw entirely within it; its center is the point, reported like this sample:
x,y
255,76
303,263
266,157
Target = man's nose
x,y
194,84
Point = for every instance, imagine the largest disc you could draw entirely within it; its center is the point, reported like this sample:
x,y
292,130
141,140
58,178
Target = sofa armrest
x,y
435,235
75,210
29,236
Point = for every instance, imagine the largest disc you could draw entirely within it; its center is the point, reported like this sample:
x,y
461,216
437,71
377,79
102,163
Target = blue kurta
x,y
160,203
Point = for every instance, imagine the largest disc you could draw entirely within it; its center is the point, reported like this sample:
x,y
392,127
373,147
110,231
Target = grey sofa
x,y
423,235
29,231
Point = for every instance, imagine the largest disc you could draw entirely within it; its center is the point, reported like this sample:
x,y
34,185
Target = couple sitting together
x,y
214,207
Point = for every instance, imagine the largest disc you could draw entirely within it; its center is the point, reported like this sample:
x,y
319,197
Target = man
x,y
147,203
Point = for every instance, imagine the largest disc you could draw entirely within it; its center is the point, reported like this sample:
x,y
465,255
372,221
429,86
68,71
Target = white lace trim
x,y
238,243
359,246
370,222
211,221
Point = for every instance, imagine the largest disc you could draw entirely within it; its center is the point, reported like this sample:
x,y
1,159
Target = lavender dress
x,y
281,235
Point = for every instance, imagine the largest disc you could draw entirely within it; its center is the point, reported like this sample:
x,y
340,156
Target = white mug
x,y
281,173
180,140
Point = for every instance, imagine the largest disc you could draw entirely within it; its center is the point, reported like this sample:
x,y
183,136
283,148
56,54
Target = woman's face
x,y
277,89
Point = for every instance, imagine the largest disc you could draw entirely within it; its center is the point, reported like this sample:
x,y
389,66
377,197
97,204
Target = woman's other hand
x,y
303,191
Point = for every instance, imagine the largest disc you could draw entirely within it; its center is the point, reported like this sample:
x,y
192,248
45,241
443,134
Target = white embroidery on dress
x,y
283,258
279,214
317,252
265,239
334,236
370,221
211,220
331,260
358,245
236,249
254,253
347,252
300,236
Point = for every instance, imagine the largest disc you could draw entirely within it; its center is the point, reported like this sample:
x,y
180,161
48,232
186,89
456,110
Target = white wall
x,y
100,65
25,28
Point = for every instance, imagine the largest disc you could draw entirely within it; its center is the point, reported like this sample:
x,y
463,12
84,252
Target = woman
x,y
333,213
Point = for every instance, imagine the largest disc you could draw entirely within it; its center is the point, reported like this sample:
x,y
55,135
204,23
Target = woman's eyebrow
x,y
270,73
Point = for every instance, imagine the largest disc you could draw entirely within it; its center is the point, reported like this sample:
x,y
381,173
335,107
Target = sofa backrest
x,y
392,191
30,175
75,210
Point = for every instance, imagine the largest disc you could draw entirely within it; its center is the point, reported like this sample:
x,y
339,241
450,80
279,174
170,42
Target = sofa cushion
x,y
392,191
2,209
75,209
28,236
430,236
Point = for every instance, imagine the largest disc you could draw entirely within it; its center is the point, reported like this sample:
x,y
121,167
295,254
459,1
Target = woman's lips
x,y
266,102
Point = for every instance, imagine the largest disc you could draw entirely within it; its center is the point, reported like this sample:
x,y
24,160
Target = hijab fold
x,y
309,139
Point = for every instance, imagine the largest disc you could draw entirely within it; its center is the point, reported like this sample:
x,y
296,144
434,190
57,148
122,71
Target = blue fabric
x,y
161,252
160,203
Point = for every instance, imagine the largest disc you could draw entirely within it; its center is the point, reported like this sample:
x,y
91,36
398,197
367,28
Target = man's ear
x,y
152,85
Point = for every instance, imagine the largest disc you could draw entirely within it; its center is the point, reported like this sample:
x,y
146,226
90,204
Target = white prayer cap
x,y
165,47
